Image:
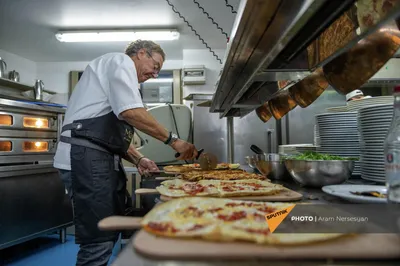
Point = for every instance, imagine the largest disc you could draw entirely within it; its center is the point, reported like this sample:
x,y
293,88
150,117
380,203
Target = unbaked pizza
x,y
218,188
220,175
221,220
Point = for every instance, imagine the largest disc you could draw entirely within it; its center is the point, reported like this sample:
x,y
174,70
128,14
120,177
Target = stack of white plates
x,y
354,106
316,136
337,109
373,124
306,149
293,149
338,135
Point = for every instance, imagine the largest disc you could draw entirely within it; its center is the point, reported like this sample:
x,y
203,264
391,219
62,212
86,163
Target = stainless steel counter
x,y
128,256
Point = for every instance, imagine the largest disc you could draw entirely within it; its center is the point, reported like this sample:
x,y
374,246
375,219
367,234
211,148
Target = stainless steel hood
x,y
268,43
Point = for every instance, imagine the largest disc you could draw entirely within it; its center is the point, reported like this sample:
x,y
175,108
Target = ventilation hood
x,y
271,42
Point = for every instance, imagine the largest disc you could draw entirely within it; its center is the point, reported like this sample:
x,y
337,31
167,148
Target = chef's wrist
x,y
168,140
138,160
171,139
172,144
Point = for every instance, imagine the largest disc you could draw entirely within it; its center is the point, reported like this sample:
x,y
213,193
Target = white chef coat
x,y
109,83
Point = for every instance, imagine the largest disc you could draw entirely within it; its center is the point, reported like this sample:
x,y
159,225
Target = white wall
x,y
55,75
25,67
390,70
213,67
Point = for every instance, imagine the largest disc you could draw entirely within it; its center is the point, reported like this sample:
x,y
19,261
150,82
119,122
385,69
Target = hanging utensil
x,y
256,149
281,104
309,89
264,113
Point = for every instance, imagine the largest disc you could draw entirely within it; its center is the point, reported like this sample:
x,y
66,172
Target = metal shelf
x,y
382,82
19,86
269,42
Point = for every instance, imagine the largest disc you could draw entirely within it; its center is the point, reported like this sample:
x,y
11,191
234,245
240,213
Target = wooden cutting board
x,y
283,196
367,246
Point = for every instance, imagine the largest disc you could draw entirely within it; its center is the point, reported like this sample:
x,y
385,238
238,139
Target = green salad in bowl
x,y
314,156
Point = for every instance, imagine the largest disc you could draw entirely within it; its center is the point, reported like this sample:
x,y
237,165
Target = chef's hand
x,y
187,150
146,165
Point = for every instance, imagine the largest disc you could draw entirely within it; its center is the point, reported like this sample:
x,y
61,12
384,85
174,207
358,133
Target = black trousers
x,y
98,191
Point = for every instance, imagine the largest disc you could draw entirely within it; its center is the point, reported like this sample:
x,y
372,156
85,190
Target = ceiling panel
x,y
27,27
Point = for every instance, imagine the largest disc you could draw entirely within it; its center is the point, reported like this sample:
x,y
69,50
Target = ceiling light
x,y
160,80
116,36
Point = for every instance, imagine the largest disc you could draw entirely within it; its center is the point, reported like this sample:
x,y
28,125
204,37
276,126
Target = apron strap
x,y
82,142
88,144
71,126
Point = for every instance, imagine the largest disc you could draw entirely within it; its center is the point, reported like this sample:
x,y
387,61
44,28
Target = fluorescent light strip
x,y
117,36
160,80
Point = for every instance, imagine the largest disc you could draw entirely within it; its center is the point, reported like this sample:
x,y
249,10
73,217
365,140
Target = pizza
x,y
196,167
218,188
177,168
220,175
216,219
220,166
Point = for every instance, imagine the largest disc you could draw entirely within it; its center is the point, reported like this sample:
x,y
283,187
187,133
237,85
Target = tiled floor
x,y
44,251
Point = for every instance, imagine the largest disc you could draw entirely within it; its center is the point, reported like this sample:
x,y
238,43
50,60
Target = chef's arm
x,y
133,155
145,122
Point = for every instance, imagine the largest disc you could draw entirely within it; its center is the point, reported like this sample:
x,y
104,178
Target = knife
x,y
199,152
207,161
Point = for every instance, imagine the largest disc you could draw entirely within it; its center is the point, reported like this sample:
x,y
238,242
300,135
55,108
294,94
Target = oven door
x,y
13,120
17,146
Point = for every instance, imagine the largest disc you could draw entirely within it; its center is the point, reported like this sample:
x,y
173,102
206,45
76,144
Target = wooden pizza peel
x,y
361,247
284,196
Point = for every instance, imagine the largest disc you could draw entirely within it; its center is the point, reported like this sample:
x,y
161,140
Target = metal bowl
x,y
250,160
320,173
271,166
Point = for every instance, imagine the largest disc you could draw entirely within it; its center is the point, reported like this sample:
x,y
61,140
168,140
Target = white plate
x,y
343,191
368,178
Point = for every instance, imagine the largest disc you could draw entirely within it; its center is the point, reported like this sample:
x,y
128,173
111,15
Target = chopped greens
x,y
314,156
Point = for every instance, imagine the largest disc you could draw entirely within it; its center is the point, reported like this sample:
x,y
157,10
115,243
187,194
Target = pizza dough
x,y
218,188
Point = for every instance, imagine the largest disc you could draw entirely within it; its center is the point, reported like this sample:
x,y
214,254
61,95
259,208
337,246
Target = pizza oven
x,y
28,134
32,195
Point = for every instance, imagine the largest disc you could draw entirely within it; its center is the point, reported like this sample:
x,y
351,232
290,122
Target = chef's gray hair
x,y
150,46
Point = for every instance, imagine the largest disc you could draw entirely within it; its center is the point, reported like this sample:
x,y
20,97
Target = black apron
x,y
97,175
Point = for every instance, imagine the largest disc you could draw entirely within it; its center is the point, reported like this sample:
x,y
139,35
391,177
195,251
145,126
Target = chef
x,y
102,113
355,95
